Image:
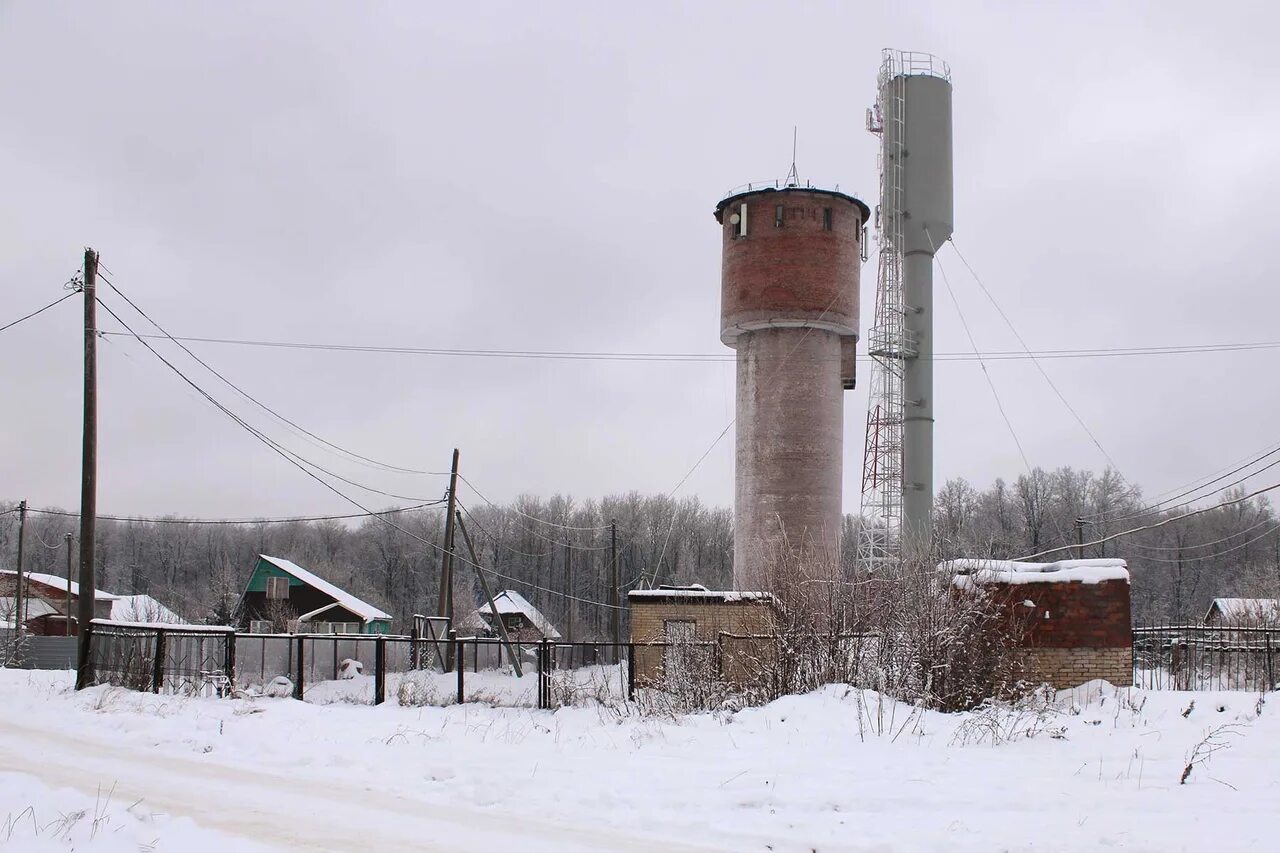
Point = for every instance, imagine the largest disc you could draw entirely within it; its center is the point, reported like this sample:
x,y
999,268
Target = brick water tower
x,y
789,307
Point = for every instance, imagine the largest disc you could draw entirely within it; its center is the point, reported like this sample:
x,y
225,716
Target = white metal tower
x,y
913,109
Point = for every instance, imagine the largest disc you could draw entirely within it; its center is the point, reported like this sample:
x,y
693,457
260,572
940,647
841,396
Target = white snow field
x,y
839,769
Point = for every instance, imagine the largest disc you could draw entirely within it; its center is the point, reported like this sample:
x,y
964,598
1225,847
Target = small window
x,y
277,588
259,626
777,216
826,219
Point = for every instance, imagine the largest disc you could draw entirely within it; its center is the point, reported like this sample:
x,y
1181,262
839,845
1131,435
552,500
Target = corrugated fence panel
x,y
47,653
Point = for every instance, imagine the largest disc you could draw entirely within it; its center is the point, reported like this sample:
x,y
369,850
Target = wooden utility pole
x,y
1079,538
18,598
66,610
444,605
88,473
615,615
488,596
568,591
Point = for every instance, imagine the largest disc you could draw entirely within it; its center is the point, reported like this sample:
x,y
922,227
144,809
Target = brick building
x,y
675,628
1077,613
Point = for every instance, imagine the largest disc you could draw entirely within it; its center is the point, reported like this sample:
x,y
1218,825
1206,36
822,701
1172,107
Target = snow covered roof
x,y
308,617
697,592
33,606
363,609
142,608
511,602
60,584
968,572
1246,609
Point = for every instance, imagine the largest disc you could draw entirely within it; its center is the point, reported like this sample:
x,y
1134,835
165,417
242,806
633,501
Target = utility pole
x,y
88,472
1080,523
568,590
488,596
66,610
615,615
19,600
444,606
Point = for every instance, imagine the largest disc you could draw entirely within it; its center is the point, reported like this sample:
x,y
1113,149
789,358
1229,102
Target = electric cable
x,y
1152,526
1158,508
243,521
263,437
1215,555
37,312
986,373
1226,538
517,511
1061,397
572,355
298,463
233,386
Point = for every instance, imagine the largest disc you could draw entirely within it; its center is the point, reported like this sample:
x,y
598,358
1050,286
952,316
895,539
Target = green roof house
x,y
283,597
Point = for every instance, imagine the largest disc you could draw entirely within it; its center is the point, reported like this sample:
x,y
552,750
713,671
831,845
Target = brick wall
x,y
710,618
1076,631
800,270
1070,667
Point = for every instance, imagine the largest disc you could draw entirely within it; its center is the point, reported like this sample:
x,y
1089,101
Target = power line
x,y
1227,538
533,532
301,464
373,462
1158,506
986,373
1153,526
1034,359
1216,554
572,355
261,436
1217,471
242,521
39,311
517,511
497,541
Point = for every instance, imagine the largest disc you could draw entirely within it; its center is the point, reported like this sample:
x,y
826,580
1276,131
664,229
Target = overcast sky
x,y
542,176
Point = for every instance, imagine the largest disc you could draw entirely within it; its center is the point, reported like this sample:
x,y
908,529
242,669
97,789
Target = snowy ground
x,y
834,770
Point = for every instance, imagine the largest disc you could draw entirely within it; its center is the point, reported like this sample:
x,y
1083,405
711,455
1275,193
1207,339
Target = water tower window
x,y
826,219
777,216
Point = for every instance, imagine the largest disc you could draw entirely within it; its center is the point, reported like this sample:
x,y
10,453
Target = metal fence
x,y
1200,657
360,669
372,669
37,652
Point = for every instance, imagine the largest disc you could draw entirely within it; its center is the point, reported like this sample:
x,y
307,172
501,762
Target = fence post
x,y
298,685
413,647
229,662
1271,675
157,670
460,667
631,670
544,664
380,670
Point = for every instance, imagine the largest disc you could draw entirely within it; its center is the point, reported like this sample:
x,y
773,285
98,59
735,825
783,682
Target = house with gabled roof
x,y
282,596
523,621
45,601
1243,612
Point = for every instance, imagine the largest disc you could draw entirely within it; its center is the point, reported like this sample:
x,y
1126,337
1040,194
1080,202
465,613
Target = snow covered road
x,y
835,770
277,809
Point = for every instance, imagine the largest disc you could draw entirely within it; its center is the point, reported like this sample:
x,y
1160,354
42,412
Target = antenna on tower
x,y
793,177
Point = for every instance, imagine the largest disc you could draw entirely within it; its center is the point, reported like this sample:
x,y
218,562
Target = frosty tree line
x,y
200,569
